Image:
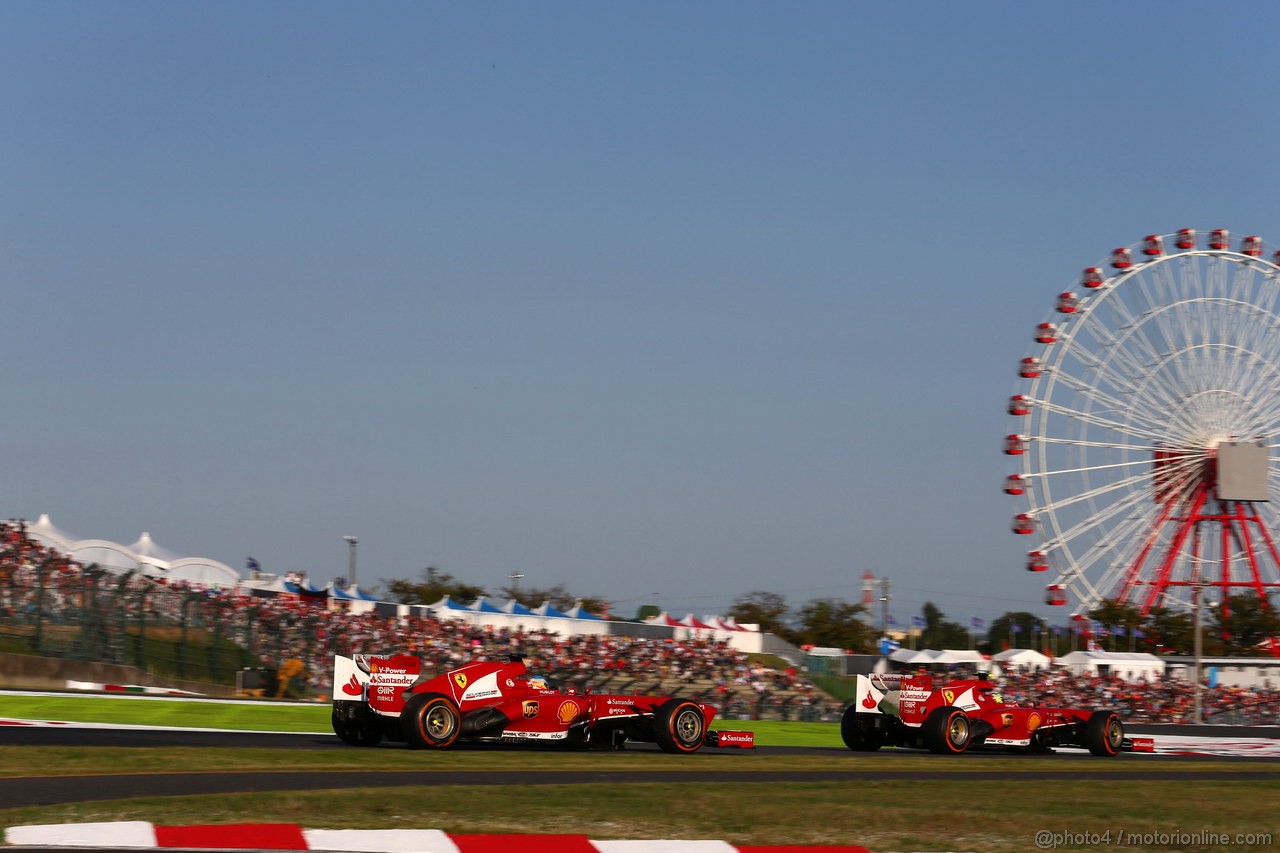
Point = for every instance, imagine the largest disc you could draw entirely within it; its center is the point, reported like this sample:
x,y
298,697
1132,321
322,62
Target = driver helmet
x,y
536,682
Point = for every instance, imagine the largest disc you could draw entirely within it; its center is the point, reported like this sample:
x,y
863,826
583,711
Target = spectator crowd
x,y
37,585
1162,701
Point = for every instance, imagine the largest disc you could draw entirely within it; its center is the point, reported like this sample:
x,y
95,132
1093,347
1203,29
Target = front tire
x,y
679,727
430,721
1104,733
859,731
947,731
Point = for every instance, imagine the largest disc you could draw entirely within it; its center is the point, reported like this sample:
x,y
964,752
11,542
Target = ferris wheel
x,y
1146,416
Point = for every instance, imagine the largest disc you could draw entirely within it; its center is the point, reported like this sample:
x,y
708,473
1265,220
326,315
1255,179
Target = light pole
x,y
884,607
351,563
515,584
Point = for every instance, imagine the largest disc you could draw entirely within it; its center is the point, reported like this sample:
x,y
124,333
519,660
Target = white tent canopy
x,y
921,656
1025,659
1131,666
144,556
960,656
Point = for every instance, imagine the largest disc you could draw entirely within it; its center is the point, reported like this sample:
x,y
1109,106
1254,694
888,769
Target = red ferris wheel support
x,y
1234,519
1193,520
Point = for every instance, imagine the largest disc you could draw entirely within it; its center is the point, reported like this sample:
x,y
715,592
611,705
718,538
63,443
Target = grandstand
x,y
187,631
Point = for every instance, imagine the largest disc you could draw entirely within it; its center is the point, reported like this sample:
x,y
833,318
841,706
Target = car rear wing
x,y
378,680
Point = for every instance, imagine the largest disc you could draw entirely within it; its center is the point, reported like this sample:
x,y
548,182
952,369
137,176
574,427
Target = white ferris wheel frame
x,y
1182,349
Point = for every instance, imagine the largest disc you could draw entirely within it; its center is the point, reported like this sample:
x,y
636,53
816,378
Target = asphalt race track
x,y
53,790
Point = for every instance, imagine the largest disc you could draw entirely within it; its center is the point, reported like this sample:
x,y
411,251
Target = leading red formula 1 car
x,y
376,698
950,717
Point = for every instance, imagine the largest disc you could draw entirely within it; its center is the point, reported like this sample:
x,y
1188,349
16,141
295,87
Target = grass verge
x,y
964,813
995,817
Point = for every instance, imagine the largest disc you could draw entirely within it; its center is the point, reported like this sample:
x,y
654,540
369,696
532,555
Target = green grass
x,y
137,710
964,813
296,717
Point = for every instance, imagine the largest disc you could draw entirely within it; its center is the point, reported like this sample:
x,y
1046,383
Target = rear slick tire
x,y
859,732
356,726
430,721
947,731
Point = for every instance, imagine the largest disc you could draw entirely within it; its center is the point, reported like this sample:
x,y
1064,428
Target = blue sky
x,y
664,302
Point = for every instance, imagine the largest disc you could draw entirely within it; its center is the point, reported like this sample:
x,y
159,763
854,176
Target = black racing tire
x,y
859,731
679,726
1104,733
947,731
430,721
356,725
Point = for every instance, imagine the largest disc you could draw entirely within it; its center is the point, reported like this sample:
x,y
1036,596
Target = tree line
x,y
1239,625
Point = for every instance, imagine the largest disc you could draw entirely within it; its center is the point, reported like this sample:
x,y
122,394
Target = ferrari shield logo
x,y
949,696
530,710
1007,719
461,680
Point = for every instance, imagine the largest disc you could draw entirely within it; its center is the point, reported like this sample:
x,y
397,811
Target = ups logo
x,y
530,710
461,680
1007,719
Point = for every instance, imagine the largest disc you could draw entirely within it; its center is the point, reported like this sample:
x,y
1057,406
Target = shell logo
x,y
567,712
1033,722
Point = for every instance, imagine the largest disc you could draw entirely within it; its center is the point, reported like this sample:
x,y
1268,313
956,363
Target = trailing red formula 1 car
x,y
952,716
377,698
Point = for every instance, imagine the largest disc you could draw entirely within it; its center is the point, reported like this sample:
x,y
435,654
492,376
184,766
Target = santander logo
x,y
868,702
352,687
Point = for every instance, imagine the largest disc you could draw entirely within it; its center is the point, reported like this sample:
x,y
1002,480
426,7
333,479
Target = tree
x,y
938,633
559,597
434,586
1245,622
1166,632
766,609
1014,630
1114,615
835,624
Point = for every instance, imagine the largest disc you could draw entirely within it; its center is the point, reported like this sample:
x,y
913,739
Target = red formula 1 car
x,y
377,698
949,717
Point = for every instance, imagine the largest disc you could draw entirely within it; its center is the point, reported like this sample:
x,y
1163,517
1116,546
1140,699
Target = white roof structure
x,y
1021,658
144,556
959,656
912,656
1131,666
